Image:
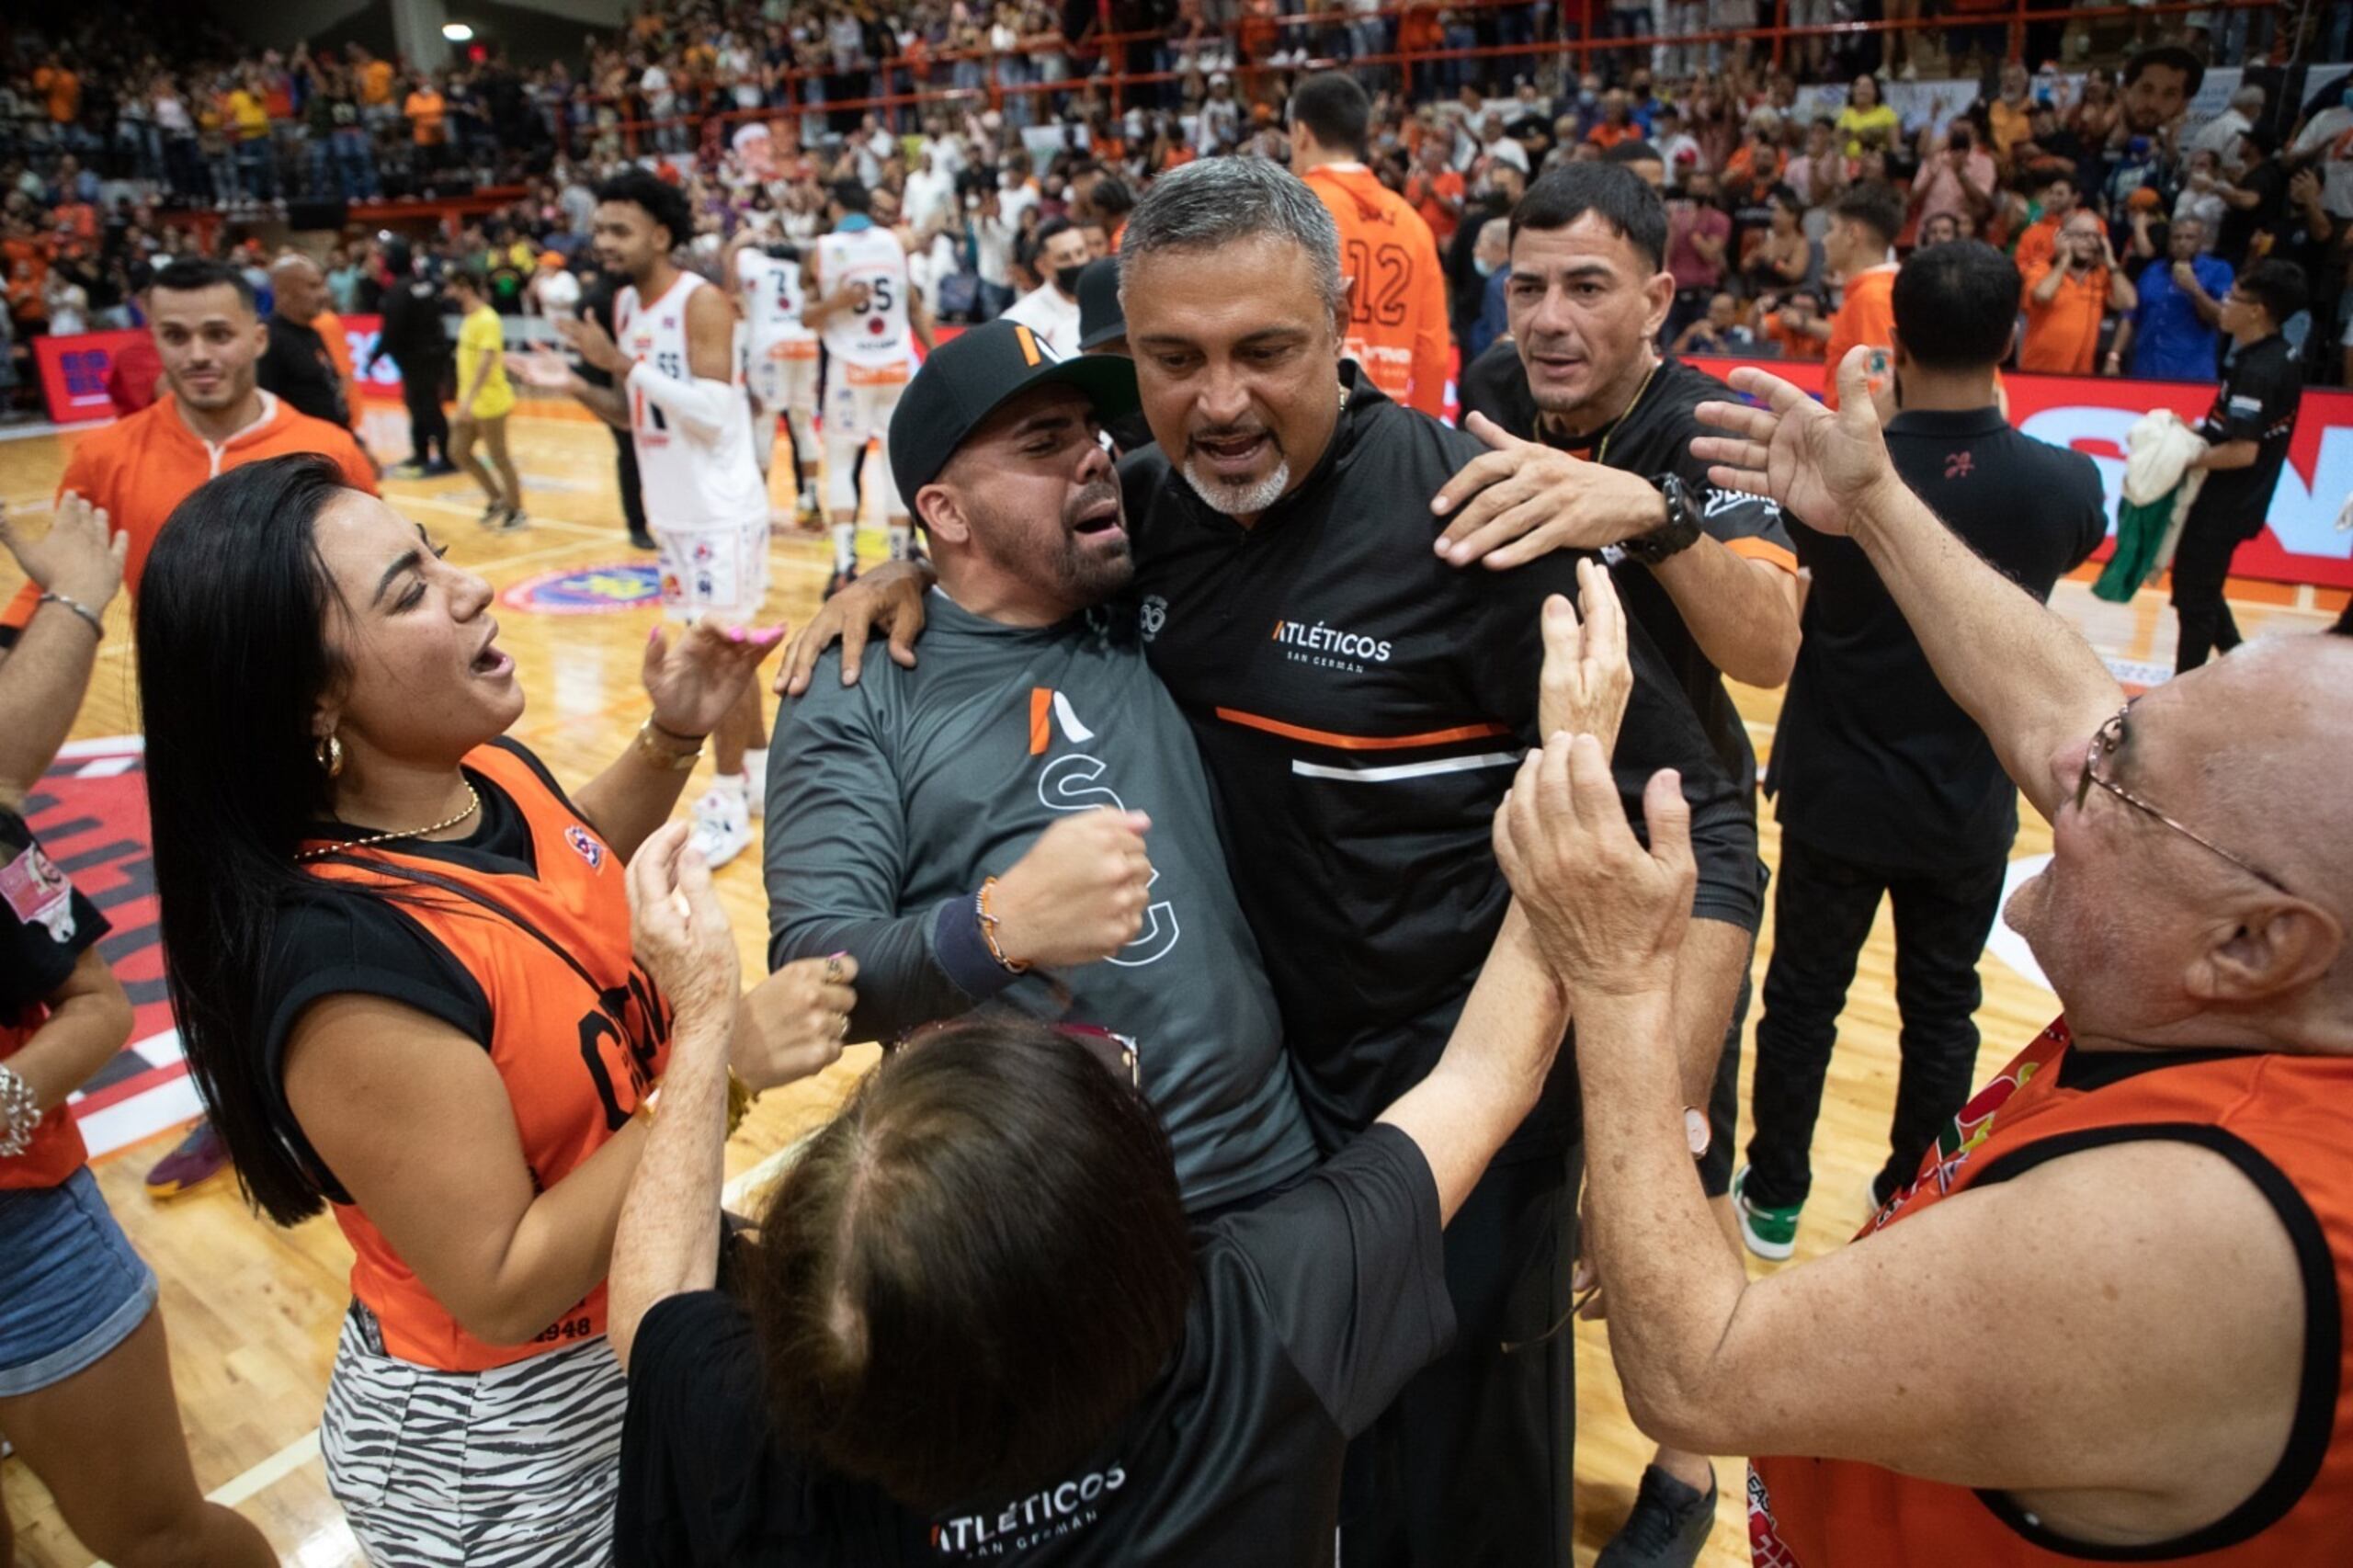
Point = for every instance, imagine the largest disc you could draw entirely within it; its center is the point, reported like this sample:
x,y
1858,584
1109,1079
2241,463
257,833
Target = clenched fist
x,y
1079,894
793,1022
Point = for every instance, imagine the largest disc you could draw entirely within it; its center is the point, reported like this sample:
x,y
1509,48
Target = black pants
x,y
428,428
1823,908
2201,563
1475,1461
2344,627
625,470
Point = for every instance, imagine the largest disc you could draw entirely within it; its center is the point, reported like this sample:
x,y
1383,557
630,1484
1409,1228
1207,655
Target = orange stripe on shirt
x,y
1042,708
1360,742
1765,550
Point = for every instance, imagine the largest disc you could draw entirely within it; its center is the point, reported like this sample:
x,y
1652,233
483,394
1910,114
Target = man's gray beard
x,y
1240,500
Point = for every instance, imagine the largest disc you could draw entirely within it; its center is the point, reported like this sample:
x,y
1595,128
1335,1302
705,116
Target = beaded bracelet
x,y
988,920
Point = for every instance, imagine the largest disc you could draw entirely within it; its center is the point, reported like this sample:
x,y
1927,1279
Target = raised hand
x,y
677,929
1586,679
793,1022
542,367
889,599
595,346
696,680
1823,466
79,558
1079,894
1607,913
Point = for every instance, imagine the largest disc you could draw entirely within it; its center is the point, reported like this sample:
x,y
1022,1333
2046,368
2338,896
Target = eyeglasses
x,y
2104,742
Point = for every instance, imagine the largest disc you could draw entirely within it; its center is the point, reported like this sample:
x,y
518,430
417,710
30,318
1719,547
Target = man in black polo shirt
x,y
2247,432
1885,787
296,366
1358,701
1593,431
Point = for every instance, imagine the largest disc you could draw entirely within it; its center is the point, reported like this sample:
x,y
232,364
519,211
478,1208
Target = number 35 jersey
x,y
868,343
517,936
688,482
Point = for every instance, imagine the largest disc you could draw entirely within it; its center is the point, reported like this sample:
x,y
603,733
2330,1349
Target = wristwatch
x,y
1679,532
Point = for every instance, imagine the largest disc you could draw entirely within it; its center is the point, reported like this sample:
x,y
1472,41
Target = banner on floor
x,y
73,371
2300,542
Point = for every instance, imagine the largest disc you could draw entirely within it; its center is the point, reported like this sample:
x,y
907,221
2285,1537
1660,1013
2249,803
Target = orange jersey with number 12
x,y
1397,318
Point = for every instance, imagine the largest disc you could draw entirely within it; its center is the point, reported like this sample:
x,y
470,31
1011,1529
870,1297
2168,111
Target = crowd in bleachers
x,y
152,137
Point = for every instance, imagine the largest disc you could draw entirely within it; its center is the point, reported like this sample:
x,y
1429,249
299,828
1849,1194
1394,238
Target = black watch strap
x,y
1679,532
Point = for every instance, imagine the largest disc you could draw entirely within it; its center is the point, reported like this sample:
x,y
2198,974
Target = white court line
x,y
270,1472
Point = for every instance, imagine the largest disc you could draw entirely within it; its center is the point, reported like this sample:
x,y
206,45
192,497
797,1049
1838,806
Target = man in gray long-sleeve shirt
x,y
973,831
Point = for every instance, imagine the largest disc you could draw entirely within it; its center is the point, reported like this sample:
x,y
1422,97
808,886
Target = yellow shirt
x,y
481,331
252,120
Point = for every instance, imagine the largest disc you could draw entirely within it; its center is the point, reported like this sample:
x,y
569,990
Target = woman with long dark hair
x,y
401,959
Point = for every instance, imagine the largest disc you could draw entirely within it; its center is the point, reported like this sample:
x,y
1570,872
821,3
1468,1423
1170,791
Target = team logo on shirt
x,y
1029,1522
586,847
1151,615
1328,646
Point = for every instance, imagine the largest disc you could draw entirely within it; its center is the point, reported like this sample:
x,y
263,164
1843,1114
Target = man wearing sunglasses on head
x,y
2105,1319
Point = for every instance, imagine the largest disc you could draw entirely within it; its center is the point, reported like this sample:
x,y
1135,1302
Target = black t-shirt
x,y
1873,761
297,367
45,926
2235,235
2256,402
1360,705
334,939
1311,1314
1650,439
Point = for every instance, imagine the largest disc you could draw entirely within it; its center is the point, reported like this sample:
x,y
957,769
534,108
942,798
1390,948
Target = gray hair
x,y
1210,203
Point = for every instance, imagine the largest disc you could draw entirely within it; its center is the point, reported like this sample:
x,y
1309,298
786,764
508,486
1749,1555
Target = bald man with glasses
x,y
2106,1318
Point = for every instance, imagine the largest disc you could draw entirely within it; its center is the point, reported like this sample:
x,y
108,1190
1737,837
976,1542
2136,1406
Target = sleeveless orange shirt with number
x,y
2286,1123
578,1032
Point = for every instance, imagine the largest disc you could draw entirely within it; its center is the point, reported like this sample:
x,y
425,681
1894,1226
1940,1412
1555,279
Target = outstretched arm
x,y
2025,676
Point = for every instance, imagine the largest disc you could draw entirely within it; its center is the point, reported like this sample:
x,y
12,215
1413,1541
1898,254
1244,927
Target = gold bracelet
x,y
740,1096
989,922
649,737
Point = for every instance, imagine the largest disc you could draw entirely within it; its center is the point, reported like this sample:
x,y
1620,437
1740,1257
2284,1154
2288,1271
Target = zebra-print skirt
x,y
518,1467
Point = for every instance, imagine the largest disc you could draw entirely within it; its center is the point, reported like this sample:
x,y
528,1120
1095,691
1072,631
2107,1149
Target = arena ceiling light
x,y
457,32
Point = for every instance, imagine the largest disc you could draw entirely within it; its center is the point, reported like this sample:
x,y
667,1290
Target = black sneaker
x,y
841,579
439,468
1667,1529
643,540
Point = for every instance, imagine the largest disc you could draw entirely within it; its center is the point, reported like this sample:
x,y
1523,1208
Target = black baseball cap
x,y
1099,317
978,372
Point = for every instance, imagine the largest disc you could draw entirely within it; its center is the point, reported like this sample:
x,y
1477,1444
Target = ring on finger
x,y
841,1029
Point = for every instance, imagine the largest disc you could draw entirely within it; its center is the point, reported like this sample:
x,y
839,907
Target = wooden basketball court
x,y
252,1310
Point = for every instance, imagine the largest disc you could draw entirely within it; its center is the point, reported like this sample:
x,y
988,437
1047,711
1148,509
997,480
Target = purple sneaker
x,y
201,1157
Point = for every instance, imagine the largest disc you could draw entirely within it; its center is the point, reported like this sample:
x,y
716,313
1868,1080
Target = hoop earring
x,y
328,753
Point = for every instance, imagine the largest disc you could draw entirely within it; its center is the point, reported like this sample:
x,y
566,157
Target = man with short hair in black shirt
x,y
2247,432
1592,429
1358,701
1886,788
296,366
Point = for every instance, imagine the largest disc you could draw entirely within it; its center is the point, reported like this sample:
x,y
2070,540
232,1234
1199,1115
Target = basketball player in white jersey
x,y
864,310
678,390
779,354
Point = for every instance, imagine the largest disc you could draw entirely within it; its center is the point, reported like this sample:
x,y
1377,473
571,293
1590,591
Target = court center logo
x,y
587,590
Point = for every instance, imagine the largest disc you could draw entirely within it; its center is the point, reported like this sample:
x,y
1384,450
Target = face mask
x,y
1066,278
1485,268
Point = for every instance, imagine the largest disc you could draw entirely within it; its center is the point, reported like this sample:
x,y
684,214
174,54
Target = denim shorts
x,y
71,1289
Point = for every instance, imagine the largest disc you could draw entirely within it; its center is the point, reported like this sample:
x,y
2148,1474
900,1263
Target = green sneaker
x,y
1771,1233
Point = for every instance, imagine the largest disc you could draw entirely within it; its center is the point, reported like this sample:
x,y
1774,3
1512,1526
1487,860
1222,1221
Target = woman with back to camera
x,y
400,956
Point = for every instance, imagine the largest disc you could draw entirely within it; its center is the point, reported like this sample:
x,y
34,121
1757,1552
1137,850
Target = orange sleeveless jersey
x,y
2283,1122
1397,319
579,1033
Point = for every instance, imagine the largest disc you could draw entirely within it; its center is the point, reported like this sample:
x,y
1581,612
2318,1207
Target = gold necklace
x,y
473,804
1601,453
